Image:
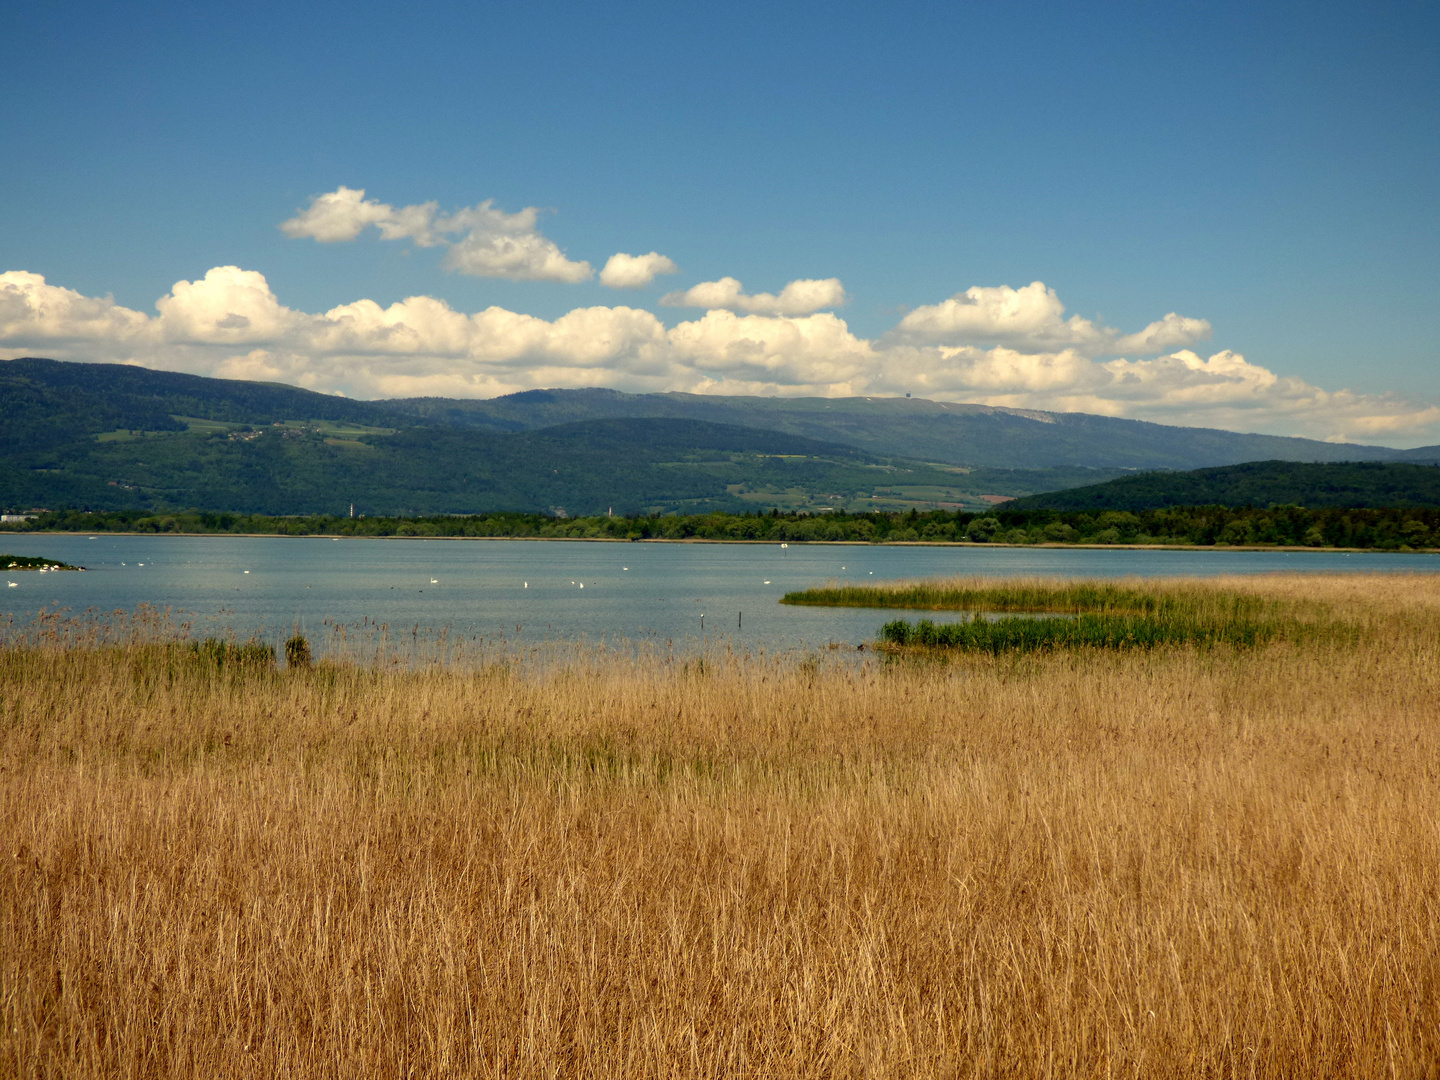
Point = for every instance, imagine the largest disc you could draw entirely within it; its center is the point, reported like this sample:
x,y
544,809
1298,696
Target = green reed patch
x,y
1099,614
1025,595
253,654
1094,631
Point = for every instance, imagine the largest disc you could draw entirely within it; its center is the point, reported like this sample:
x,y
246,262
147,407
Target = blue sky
x,y
1269,169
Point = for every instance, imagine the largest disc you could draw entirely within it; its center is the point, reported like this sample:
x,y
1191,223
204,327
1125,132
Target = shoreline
x,y
770,543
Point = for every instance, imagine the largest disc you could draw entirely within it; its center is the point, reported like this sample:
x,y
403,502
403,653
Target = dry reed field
x,y
1176,861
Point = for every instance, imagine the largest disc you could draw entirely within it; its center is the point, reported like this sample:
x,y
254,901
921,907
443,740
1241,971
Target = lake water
x,y
531,590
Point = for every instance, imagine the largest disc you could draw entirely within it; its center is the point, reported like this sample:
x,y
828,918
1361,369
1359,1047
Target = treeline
x,y
1287,526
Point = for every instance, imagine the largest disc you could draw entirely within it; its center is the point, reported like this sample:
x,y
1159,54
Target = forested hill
x,y
113,437
50,402
1255,483
324,467
47,402
108,437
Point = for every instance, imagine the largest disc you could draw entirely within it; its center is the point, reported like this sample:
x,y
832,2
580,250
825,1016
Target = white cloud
x,y
801,297
31,310
1032,318
624,271
343,214
811,354
481,240
227,306
229,323
1172,332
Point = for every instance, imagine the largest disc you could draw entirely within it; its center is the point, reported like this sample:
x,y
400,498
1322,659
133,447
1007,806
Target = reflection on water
x,y
669,595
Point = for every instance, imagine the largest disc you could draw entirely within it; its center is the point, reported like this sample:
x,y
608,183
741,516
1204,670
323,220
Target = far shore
x,y
762,543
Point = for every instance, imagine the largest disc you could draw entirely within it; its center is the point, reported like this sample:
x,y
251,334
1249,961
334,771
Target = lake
x,y
548,590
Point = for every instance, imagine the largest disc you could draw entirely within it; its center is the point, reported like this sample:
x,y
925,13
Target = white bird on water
x,y
13,584
527,584
434,582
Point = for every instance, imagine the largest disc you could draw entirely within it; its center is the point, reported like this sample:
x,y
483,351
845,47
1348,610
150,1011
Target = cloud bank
x,y
1033,319
995,346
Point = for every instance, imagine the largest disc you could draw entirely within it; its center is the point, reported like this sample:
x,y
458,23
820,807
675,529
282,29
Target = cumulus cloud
x,y
343,214
480,240
1032,318
229,323
227,306
802,297
624,271
32,310
1172,332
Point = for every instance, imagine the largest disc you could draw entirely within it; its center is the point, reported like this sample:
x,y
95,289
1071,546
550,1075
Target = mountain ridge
x,y
954,433
962,434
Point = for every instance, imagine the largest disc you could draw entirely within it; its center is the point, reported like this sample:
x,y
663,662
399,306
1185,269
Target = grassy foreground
x,y
1173,862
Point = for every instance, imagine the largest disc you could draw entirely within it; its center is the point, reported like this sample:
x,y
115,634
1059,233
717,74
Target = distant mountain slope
x,y
115,437
106,397
1421,455
972,435
580,468
1256,483
36,394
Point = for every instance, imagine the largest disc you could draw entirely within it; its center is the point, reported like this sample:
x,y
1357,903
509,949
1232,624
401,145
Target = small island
x,y
34,562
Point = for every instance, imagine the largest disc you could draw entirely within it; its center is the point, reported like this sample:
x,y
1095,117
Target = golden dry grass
x,y
1172,863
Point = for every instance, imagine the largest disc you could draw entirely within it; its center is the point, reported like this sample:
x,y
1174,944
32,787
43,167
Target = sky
x,y
1216,214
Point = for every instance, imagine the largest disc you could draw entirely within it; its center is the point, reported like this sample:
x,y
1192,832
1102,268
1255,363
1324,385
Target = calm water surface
x,y
531,591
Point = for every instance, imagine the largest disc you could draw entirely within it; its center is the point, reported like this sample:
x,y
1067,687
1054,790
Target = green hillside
x,y
317,467
113,437
110,397
1256,483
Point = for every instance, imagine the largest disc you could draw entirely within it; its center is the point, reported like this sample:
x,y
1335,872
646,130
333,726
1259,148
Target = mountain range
x,y
956,434
113,436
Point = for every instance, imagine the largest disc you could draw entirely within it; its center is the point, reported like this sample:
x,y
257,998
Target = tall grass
x,y
1150,863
